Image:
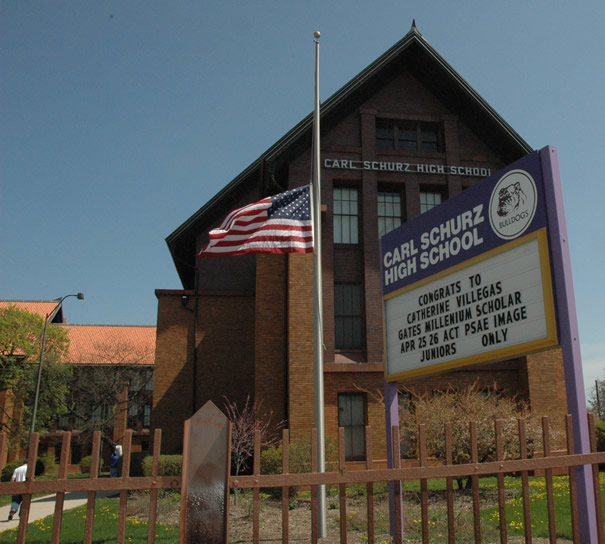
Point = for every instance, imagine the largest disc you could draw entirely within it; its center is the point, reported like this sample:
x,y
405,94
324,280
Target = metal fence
x,y
339,476
91,485
523,466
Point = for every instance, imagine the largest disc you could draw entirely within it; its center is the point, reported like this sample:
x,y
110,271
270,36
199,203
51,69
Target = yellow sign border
x,y
550,340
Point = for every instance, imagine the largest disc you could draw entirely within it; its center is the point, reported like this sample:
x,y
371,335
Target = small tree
x,y
459,407
20,334
596,400
95,388
245,421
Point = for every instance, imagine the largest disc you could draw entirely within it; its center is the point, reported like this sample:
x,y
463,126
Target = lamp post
x,y
49,318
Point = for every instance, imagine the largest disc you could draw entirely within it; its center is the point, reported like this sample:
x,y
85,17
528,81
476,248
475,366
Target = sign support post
x,y
570,342
486,277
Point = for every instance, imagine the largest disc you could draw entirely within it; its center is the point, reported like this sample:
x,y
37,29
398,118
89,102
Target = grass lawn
x,y
538,507
105,527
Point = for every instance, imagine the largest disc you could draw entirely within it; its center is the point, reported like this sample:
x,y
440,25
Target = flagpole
x,y
317,304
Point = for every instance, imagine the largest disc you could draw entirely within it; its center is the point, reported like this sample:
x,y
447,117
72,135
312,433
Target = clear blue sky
x,y
119,120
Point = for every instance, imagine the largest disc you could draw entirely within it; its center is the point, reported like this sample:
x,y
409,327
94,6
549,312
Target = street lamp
x,y
49,318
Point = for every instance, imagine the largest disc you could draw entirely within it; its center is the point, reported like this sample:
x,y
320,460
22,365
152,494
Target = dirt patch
x,y
299,520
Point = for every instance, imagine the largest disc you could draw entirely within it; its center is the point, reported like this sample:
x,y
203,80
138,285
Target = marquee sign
x,y
470,280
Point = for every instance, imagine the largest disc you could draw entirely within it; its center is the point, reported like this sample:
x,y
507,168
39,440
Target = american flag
x,y
276,224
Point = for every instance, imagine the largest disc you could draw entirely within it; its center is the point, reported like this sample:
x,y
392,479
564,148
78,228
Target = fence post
x,y
391,404
205,478
3,450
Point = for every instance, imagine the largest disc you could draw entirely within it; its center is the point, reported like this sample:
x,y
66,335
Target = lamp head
x,y
80,296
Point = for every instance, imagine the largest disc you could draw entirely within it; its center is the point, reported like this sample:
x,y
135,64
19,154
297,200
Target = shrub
x,y
85,464
48,464
459,407
8,470
600,432
271,460
299,459
170,465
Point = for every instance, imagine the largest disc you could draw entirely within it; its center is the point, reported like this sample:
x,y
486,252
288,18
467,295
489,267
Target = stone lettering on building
x,y
413,168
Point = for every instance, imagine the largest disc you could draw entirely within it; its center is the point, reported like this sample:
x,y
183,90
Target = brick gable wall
x,y
277,324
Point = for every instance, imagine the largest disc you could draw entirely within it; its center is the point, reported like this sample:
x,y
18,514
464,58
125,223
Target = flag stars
x,y
292,204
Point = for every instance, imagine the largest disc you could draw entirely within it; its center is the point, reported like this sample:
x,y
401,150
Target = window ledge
x,y
353,367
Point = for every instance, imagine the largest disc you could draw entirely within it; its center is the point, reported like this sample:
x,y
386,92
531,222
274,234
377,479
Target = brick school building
x,y
402,136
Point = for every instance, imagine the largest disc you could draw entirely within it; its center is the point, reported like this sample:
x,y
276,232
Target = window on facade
x,y
429,199
348,316
63,421
147,415
408,135
141,379
99,414
352,417
134,416
346,215
389,211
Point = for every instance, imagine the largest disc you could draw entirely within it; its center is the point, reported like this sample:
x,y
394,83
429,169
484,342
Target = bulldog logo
x,y
510,199
513,204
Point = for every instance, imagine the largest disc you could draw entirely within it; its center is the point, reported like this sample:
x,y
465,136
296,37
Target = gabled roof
x,y
411,52
111,344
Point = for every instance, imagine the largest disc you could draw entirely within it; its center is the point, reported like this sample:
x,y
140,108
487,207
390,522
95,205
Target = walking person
x,y
113,467
19,475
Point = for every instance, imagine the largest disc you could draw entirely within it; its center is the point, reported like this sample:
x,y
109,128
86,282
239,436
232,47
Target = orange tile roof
x,y
39,307
111,344
98,344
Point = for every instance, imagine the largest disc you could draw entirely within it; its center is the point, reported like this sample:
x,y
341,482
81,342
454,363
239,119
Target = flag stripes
x,y
277,224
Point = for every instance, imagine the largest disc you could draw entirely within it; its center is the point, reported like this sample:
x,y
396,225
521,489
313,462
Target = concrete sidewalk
x,y
42,507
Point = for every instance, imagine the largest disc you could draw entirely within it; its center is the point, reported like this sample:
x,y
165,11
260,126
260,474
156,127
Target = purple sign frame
x,y
403,264
463,218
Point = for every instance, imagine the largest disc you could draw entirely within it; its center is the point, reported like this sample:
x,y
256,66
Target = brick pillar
x,y
270,334
546,383
173,374
301,413
120,422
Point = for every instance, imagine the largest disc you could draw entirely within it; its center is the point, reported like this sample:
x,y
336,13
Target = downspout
x,y
195,326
